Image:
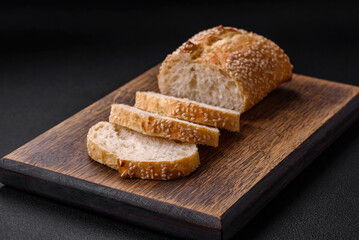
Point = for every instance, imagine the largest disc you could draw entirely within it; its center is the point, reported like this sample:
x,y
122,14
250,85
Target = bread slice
x,y
225,67
186,109
136,155
160,126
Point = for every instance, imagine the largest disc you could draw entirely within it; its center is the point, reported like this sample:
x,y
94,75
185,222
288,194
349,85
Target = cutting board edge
x,y
70,190
347,85
308,150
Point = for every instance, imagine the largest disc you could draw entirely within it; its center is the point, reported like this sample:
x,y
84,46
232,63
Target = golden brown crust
x,y
156,170
257,64
156,125
188,110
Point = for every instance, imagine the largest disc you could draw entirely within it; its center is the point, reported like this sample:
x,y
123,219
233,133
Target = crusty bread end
x,y
225,67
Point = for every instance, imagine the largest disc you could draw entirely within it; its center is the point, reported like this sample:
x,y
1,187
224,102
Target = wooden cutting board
x,y
279,137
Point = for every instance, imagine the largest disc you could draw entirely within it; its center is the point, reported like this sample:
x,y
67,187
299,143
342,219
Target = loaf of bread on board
x,y
225,67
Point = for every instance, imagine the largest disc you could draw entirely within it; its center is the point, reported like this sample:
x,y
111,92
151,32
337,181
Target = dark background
x,y
56,60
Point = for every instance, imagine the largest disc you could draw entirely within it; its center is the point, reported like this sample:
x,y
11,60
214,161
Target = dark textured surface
x,y
55,61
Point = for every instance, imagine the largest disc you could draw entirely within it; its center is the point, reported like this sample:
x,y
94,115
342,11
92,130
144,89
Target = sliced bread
x,y
186,109
161,126
136,155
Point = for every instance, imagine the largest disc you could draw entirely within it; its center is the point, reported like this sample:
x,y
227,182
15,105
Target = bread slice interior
x,y
123,149
185,78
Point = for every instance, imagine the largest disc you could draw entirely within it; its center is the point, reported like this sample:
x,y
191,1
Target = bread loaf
x,y
160,126
188,110
225,67
136,155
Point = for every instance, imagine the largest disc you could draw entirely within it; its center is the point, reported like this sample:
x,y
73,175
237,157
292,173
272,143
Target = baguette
x,y
188,110
225,67
160,126
136,155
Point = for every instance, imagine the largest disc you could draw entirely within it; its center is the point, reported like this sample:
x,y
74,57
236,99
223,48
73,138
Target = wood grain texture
x,y
279,137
